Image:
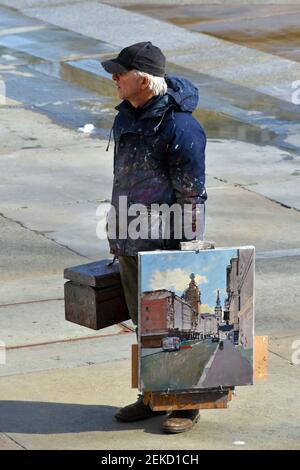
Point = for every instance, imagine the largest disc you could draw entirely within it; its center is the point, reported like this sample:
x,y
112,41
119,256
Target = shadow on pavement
x,y
33,417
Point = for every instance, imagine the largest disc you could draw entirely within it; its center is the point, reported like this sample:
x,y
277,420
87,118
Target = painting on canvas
x,y
196,319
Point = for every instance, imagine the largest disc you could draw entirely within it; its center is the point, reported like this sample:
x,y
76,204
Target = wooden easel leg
x,y
134,366
260,358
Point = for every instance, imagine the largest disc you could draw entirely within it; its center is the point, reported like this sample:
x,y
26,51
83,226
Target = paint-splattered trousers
x,y
129,277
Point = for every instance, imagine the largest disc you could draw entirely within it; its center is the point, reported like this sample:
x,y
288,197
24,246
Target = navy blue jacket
x,y
159,157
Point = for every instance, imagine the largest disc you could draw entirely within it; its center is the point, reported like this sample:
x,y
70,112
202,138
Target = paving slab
x,y
106,346
75,225
10,18
265,170
23,130
237,216
43,322
254,69
38,176
68,104
31,289
25,253
294,138
65,45
21,85
286,192
277,298
98,20
87,73
9,57
278,253
249,164
8,444
287,346
81,402
55,191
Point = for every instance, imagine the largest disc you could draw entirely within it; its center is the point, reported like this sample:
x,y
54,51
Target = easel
x,y
207,399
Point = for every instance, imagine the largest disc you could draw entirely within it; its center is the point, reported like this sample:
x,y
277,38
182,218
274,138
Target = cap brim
x,y
112,66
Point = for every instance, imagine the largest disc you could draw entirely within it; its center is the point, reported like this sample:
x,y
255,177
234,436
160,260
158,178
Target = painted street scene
x,y
196,327
61,383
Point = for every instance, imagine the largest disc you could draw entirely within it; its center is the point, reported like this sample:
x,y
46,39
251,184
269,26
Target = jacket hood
x,y
183,92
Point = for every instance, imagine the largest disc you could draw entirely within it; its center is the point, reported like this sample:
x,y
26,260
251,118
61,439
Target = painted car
x,y
171,343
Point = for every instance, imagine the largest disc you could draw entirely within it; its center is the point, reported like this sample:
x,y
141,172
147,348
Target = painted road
x,y
228,368
176,370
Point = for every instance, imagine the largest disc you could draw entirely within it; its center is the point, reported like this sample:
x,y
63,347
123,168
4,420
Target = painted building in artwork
x,y
233,292
226,310
164,313
162,310
240,281
192,295
208,325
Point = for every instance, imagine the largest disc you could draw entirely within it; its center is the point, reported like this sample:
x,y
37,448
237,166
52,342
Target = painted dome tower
x,y
192,295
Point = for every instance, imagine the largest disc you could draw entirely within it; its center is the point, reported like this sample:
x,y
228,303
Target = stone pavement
x,y
61,383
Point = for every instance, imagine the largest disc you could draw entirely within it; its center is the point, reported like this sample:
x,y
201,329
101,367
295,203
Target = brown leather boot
x,y
136,412
180,421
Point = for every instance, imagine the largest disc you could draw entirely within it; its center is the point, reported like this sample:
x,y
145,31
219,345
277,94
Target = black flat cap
x,y
142,56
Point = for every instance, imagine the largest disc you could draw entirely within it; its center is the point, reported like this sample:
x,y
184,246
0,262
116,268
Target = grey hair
x,y
156,84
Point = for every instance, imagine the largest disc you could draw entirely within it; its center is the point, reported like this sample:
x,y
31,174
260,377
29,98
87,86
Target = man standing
x,y
159,158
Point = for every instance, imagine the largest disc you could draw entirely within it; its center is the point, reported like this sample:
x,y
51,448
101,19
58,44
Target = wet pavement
x,y
73,89
53,178
36,65
269,28
69,105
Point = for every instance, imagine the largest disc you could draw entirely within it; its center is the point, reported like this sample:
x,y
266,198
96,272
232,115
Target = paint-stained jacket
x,y
159,157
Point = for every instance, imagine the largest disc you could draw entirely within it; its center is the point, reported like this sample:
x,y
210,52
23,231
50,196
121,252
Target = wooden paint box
x,y
94,295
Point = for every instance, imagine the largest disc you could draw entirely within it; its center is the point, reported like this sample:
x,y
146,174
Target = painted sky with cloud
x,y
175,279
171,270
